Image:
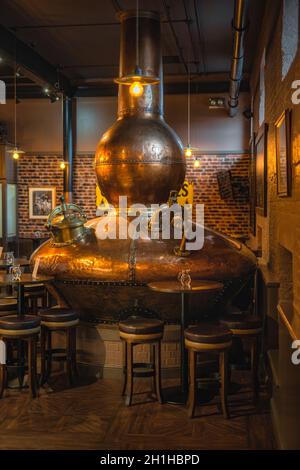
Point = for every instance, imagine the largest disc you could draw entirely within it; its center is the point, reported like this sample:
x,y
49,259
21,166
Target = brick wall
x,y
227,216
36,171
44,171
230,217
84,184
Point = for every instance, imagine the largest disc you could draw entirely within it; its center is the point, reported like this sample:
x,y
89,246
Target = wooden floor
x,y
93,416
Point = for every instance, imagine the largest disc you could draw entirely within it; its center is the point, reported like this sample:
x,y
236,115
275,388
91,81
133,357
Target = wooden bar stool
x,y
134,331
8,306
36,297
64,320
247,327
25,329
207,338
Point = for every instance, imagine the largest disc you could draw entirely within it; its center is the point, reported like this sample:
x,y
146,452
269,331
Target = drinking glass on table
x,y
9,258
15,272
185,279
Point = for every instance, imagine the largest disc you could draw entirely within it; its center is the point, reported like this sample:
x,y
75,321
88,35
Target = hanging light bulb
x,y
188,151
196,163
137,80
136,89
15,152
62,165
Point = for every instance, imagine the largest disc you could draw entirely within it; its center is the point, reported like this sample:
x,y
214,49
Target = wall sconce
x,y
63,165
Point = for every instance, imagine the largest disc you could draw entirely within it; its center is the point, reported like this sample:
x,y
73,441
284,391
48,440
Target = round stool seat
x,y
14,325
242,324
8,303
59,317
206,336
141,328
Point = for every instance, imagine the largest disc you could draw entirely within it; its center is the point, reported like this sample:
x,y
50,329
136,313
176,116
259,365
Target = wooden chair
x,y
139,330
24,329
58,320
247,327
206,338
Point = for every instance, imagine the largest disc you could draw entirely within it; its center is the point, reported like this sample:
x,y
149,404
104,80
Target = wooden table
x,y
26,279
174,287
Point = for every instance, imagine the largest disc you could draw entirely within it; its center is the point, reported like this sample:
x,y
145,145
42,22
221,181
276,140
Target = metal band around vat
x,y
165,161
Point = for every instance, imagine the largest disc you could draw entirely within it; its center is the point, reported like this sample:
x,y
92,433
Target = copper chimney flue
x,y
140,156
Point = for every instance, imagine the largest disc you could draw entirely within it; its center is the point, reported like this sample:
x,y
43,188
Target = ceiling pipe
x,y
239,26
69,139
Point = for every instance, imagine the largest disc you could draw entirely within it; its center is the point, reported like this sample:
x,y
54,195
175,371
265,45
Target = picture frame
x,y
252,185
261,170
41,202
283,154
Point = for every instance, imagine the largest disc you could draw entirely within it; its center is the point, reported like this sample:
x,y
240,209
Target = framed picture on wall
x,y
283,153
261,170
252,186
41,202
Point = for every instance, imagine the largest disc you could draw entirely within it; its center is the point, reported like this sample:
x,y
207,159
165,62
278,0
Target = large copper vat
x,y
142,158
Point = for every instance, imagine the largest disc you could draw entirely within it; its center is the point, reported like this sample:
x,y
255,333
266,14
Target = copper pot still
x,y
141,157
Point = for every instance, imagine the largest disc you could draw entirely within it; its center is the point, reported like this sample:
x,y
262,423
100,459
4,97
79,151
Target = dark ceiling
x,y
80,40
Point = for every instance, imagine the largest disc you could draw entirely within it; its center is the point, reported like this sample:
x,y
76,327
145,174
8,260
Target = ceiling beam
x,y
80,25
29,60
168,78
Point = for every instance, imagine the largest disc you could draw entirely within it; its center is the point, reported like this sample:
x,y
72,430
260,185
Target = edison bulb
x,y
136,89
16,156
196,163
62,165
188,152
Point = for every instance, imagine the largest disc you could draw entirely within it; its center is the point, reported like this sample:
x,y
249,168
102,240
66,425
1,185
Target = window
x,y
11,196
289,36
261,109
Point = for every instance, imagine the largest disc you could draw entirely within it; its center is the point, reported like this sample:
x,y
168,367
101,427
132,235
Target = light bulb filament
x,y
136,89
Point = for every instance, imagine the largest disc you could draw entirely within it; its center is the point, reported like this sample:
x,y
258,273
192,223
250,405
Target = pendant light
x,y
188,151
137,80
15,152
